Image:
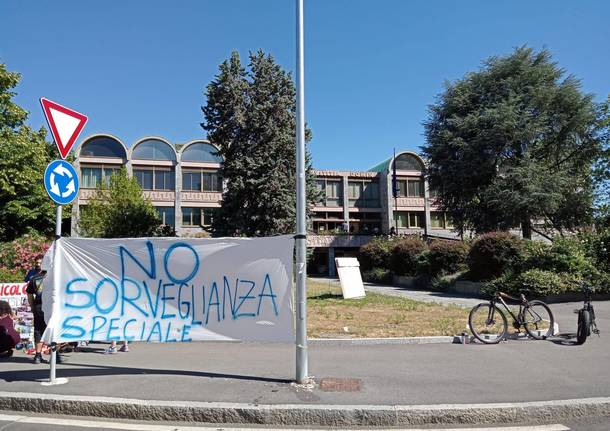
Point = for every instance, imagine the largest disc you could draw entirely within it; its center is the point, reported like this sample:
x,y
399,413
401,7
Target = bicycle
x,y
586,316
488,323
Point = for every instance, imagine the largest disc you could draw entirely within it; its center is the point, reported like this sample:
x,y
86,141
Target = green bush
x,y
597,248
20,255
543,283
440,283
443,257
377,275
540,283
404,255
8,276
601,283
492,254
375,254
564,255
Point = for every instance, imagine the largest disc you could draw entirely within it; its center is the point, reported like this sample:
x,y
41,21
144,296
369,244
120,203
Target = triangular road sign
x,y
65,125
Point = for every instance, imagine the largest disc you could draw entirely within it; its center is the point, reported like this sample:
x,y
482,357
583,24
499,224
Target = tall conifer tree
x,y
251,116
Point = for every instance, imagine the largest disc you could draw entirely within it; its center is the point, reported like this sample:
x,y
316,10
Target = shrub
x,y
377,275
601,282
440,283
543,283
492,254
540,283
597,248
404,255
375,254
443,257
564,255
7,276
18,256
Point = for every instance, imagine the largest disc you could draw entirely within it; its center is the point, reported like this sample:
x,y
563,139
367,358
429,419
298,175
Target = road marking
x,y
149,427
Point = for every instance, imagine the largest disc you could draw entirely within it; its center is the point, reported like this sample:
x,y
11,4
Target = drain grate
x,y
336,384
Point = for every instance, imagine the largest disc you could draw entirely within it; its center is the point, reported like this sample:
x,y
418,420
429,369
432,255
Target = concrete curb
x,y
294,414
390,340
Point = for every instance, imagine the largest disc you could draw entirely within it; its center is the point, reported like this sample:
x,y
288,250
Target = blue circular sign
x,y
61,181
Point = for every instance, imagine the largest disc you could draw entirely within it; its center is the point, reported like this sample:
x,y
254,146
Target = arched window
x,y
201,152
153,149
103,146
408,162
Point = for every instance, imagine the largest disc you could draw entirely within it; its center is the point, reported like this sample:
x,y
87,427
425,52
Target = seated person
x,y
8,336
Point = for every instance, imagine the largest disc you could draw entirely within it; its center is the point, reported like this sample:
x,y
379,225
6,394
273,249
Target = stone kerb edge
x,y
291,414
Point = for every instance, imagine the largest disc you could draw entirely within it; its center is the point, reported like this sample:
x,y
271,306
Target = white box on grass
x,y
349,275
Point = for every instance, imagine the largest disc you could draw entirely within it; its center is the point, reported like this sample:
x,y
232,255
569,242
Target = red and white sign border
x,y
67,146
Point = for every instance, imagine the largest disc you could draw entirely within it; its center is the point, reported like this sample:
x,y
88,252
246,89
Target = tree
x,y
119,210
24,154
251,116
514,144
602,172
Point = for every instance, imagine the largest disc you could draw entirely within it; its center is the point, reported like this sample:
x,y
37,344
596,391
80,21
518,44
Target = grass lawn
x,y
331,316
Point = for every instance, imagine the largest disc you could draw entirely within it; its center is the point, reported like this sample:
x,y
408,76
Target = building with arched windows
x,y
183,184
356,206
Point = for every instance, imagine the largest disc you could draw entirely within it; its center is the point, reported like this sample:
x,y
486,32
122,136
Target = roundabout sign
x,y
61,181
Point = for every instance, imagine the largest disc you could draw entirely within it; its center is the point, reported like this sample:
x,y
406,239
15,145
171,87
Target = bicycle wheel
x,y
538,320
584,323
487,323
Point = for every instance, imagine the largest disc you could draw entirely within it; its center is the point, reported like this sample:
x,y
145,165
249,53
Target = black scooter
x,y
586,316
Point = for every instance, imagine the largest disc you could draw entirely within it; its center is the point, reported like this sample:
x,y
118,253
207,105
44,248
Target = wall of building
x,y
359,205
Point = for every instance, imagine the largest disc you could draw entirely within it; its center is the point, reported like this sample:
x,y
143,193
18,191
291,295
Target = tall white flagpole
x,y
301,321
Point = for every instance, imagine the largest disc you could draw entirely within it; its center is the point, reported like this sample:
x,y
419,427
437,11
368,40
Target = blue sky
x,y
139,68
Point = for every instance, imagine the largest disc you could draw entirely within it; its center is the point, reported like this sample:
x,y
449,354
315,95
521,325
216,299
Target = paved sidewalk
x,y
389,374
422,295
258,374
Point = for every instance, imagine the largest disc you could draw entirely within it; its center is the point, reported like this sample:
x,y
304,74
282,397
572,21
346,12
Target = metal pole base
x,y
57,381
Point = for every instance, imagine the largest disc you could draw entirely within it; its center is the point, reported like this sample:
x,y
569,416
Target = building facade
x,y
183,184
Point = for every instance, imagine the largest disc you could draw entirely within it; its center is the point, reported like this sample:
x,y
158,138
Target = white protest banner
x,y
16,296
170,289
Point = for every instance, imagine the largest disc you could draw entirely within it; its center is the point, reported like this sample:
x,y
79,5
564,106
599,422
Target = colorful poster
x,y
15,295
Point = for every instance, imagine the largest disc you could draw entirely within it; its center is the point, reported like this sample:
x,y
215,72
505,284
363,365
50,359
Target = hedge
x,y
443,257
404,255
377,275
492,254
376,254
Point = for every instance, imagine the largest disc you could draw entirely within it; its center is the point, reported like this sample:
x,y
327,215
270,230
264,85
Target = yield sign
x,y
65,124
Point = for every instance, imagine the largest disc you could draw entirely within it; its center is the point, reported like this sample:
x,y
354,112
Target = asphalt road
x,y
512,371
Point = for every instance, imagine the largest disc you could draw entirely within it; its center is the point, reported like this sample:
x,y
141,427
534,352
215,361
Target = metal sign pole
x,y
65,134
395,193
52,379
301,321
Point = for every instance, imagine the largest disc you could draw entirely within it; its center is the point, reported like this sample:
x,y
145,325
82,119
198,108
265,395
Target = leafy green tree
x,y
24,205
119,210
251,116
514,144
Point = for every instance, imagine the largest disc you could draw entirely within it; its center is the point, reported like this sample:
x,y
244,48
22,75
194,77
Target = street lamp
x,y
301,238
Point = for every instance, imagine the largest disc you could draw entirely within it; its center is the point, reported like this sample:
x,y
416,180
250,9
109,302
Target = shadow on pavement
x,y
38,372
566,339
